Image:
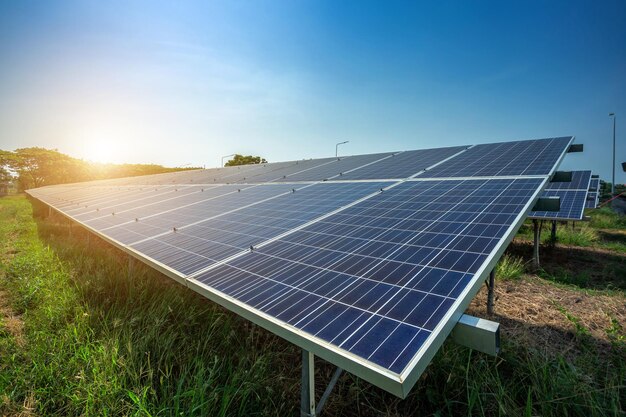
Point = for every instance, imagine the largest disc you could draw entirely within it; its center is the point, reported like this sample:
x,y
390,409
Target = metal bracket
x,y
548,204
478,334
578,147
307,390
562,176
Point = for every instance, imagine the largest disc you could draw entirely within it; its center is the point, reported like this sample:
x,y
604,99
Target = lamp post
x,y
613,165
337,147
226,156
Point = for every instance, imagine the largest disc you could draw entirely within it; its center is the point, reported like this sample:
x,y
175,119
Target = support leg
x,y
490,291
70,228
130,266
307,390
553,233
537,235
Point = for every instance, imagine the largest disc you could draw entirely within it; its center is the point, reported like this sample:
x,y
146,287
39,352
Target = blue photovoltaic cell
x,y
580,181
401,165
594,184
572,205
194,247
530,157
376,278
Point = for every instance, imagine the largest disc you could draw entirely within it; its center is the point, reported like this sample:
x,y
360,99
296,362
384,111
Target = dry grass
x,y
531,312
11,322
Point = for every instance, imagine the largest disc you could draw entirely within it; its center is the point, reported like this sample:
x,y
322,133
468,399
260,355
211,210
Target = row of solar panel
x,y
532,157
375,268
396,261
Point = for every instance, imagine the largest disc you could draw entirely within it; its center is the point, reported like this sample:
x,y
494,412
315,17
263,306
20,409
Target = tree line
x,y
36,167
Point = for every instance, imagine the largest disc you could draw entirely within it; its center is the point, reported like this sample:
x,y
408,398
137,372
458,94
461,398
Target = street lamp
x,y
613,166
226,156
337,147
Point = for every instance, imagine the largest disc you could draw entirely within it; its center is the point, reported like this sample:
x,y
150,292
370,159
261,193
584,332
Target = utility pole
x,y
613,165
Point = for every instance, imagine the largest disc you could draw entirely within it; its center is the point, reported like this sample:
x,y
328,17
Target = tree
x,y
36,167
5,175
245,160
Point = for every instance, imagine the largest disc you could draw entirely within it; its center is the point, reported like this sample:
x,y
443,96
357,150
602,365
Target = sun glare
x,y
102,150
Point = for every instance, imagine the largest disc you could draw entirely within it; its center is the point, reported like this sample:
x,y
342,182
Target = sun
x,y
102,150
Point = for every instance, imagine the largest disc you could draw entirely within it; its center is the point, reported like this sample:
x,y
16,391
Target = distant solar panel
x,y
572,206
531,157
580,181
371,275
337,168
402,165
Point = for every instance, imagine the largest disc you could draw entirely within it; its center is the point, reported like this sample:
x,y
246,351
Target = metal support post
x,y
49,212
490,291
130,266
553,234
537,235
307,390
70,223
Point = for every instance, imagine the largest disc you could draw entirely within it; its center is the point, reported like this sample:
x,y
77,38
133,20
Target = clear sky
x,y
184,83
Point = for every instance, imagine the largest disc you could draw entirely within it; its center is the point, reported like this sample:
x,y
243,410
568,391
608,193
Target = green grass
x,y
510,267
605,230
583,235
564,276
605,218
100,342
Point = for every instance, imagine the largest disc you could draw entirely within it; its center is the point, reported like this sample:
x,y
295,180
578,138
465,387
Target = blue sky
x,y
187,82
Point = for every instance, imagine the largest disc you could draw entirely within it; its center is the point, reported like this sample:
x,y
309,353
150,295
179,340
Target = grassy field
x,y
81,334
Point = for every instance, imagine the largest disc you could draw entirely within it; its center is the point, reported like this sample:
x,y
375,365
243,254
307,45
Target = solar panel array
x,y
573,196
367,261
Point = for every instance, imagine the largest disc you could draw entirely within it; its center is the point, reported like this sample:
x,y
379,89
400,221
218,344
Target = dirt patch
x,y
10,322
534,312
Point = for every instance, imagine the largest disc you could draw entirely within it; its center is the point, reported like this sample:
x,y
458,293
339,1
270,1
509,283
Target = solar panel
x,y
337,168
204,242
376,279
531,157
580,181
402,165
371,275
572,205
